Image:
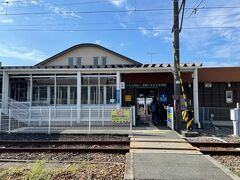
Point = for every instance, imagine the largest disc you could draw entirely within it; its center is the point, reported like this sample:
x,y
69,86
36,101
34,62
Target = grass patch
x,y
12,173
38,172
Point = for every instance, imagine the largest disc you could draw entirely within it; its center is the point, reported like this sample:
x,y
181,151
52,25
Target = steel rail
x,y
215,144
58,150
220,152
72,142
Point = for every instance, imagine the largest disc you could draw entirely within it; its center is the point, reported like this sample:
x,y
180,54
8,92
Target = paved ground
x,y
175,166
163,162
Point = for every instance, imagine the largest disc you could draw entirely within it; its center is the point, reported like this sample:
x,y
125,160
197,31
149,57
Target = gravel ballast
x,y
92,157
61,137
223,135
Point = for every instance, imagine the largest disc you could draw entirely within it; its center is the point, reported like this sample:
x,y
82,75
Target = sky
x,y
33,30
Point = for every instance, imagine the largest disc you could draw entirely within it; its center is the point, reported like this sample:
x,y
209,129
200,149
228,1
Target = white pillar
x,y
55,90
99,89
119,90
68,95
195,97
5,91
79,91
31,90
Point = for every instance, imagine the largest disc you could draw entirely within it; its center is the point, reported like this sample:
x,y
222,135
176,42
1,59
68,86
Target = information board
x,y
170,117
121,115
128,98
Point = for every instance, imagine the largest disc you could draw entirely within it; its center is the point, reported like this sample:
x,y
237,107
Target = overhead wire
x,y
111,11
120,29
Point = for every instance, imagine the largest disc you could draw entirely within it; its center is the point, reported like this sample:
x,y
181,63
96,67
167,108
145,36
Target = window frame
x,y
78,59
104,60
70,61
95,61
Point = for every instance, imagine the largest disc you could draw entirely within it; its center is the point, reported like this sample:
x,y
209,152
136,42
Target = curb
x,y
128,174
223,168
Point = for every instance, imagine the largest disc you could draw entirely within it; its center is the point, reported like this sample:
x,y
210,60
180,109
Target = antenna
x,y
151,55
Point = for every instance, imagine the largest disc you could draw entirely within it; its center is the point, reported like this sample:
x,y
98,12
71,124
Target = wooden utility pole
x,y
177,93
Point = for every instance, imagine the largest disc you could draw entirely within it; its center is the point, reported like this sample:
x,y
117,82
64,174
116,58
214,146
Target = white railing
x,y
13,104
50,119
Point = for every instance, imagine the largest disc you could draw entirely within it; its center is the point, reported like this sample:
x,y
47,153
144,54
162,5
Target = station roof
x,y
130,66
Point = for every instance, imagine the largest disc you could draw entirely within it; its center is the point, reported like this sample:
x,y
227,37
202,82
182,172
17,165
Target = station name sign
x,y
145,85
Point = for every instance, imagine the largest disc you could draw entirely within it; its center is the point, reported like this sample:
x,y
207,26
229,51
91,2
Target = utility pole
x,y
177,93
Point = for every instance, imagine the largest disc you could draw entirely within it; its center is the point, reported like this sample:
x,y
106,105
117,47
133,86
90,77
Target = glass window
x,y
62,95
95,61
73,95
52,95
84,81
101,95
93,95
70,61
104,60
79,61
84,95
111,95
19,89
35,96
43,93
93,80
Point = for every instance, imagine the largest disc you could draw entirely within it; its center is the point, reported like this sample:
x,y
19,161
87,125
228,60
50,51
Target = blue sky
x,y
26,39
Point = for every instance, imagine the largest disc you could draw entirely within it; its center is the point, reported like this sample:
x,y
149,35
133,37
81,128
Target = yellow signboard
x,y
128,98
121,115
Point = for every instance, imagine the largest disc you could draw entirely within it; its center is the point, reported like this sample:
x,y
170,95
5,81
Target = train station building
x,y
89,76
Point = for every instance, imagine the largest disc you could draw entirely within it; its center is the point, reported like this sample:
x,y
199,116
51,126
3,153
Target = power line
x,y
110,11
117,29
97,23
86,12
196,7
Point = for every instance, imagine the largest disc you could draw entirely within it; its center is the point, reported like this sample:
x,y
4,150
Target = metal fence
x,y
55,120
215,116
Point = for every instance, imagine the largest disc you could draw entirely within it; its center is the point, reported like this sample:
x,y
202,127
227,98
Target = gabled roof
x,y
87,45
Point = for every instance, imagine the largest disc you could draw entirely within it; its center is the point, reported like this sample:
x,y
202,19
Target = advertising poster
x,y
170,117
121,115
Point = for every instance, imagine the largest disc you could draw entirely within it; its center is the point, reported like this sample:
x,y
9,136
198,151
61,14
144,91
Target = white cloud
x,y
7,21
168,39
154,32
123,25
22,53
219,44
35,2
118,3
98,42
122,44
40,3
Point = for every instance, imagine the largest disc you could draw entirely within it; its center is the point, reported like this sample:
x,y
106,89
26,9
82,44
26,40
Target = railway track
x,y
216,148
55,146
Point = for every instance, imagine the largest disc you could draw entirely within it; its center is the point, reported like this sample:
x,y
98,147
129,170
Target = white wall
x,y
87,54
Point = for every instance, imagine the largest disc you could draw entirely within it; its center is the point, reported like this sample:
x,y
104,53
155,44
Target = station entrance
x,y
144,97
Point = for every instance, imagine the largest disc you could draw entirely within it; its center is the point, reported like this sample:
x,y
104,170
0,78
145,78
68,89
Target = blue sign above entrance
x,y
163,98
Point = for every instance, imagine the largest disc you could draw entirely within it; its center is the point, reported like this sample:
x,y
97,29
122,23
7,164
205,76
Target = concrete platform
x,y
149,139
161,145
174,166
173,151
